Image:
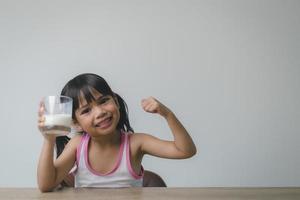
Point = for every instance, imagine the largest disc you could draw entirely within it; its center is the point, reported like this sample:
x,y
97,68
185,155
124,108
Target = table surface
x,y
154,193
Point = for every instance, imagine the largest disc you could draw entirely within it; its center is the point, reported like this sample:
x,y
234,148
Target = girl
x,y
106,154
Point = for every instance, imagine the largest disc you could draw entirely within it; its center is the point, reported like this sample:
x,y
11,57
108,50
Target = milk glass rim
x,y
59,96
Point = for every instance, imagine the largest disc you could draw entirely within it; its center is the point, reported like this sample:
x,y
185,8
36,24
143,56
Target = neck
x,y
107,140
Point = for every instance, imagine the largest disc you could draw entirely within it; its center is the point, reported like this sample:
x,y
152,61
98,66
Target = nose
x,y
99,112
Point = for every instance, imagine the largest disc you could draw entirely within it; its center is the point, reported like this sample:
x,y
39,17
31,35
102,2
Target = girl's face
x,y
100,117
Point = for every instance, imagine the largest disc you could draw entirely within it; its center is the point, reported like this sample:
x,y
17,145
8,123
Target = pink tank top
x,y
122,175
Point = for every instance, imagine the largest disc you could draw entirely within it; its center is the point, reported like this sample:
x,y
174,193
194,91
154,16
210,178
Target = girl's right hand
x,y
41,123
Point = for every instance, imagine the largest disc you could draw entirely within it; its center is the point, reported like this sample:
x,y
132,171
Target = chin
x,y
106,131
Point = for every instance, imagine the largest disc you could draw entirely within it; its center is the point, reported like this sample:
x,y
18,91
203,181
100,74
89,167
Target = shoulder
x,y
137,139
75,141
135,144
77,138
140,137
68,156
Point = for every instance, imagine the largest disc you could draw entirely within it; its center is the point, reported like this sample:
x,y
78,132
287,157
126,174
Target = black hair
x,y
82,84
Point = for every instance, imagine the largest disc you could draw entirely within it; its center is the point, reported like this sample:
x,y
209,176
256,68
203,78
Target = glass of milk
x,y
58,115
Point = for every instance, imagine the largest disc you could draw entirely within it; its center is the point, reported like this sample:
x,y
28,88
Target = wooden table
x,y
154,193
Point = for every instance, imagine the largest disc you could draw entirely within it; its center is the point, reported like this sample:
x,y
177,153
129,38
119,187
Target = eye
x,y
103,100
84,111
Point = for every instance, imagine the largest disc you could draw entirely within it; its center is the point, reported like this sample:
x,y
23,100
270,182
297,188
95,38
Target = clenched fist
x,y
152,105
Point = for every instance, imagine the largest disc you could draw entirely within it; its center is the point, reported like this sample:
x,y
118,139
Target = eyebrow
x,y
86,105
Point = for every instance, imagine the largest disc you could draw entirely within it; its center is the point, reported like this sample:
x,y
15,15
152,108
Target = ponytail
x,y
124,120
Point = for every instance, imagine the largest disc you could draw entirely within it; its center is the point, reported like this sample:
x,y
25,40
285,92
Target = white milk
x,y
58,120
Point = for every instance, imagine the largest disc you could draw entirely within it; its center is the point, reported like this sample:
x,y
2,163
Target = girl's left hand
x,y
152,105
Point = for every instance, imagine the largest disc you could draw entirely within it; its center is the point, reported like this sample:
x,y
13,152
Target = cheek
x,y
118,114
82,121
112,108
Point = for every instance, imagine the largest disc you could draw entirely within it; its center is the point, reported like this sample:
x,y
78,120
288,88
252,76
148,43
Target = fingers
x,y
41,118
150,104
41,109
41,123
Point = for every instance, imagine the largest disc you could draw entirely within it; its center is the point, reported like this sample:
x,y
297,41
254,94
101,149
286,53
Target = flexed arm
x,y
182,146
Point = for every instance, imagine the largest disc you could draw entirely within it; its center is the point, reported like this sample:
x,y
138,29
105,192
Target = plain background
x,y
228,69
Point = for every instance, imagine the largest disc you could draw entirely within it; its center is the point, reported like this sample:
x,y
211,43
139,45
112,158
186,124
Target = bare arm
x,y
46,170
49,172
182,146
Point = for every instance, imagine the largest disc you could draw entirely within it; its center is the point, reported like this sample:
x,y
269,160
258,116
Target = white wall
x,y
229,70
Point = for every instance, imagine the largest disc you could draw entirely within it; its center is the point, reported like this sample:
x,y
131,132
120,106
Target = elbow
x,y
192,152
45,188
186,155
46,185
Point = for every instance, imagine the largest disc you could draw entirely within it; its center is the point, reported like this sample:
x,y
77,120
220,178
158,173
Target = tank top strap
x,y
127,154
80,147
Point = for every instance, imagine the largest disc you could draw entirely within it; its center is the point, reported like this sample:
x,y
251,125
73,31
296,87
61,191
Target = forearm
x,y
46,171
182,139
183,145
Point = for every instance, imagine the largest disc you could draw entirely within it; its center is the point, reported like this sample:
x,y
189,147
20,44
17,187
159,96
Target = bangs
x,y
81,88
86,94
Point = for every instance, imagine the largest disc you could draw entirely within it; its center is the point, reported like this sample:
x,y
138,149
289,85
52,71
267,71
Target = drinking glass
x,y
58,115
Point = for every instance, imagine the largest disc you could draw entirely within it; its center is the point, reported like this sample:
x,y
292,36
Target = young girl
x,y
107,153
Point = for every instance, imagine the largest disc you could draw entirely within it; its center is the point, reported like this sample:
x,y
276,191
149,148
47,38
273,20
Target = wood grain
x,y
154,193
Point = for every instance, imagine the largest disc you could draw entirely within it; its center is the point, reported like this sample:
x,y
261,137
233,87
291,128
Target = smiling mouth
x,y
104,123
